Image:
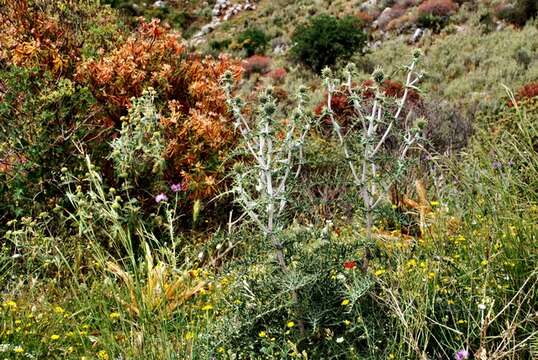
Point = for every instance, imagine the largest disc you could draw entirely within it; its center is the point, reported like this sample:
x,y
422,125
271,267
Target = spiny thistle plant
x,y
275,148
140,145
377,143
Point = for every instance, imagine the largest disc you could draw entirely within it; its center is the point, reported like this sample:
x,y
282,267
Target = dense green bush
x,y
518,12
253,41
41,119
326,39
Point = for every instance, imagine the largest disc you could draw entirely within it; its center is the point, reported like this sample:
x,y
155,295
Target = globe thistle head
x,y
350,68
302,92
269,92
378,75
421,123
227,78
326,73
269,108
237,102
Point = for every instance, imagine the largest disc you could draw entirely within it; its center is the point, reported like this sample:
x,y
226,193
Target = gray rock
x,y
368,5
417,35
159,4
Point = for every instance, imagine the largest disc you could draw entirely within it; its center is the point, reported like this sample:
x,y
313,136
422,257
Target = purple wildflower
x,y
176,187
497,165
462,354
160,197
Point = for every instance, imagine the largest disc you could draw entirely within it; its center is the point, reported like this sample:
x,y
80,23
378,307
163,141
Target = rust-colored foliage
x,y
365,17
527,91
195,117
150,57
437,7
342,108
278,74
43,34
256,64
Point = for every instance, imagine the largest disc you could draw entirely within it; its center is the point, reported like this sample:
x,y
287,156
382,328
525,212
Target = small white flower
x,y
340,340
482,307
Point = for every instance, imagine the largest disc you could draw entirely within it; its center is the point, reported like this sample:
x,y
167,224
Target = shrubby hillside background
x,y
323,179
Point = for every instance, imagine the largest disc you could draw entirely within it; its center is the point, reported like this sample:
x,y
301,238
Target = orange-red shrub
x,y
195,118
48,35
278,74
343,110
437,7
256,64
365,17
528,91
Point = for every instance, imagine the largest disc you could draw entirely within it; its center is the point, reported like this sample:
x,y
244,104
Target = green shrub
x,y
517,13
327,39
433,22
41,117
253,41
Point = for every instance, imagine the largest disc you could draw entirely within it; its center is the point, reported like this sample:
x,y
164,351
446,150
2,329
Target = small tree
x,y
327,39
374,163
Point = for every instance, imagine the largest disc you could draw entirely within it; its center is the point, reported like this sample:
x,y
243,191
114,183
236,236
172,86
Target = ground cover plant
x,y
251,195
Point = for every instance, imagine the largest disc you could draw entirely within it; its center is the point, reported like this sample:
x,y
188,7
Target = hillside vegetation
x,y
322,179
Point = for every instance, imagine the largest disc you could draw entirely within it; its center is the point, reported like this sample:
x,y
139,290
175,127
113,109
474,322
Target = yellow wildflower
x,y
114,316
379,272
412,263
10,304
59,310
18,349
484,262
54,337
262,334
102,355
189,335
290,324
434,203
345,302
207,307
220,350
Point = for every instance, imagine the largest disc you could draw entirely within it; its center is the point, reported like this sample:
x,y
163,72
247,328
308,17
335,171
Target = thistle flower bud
x,y
350,68
378,75
227,78
269,108
303,90
238,102
326,73
420,123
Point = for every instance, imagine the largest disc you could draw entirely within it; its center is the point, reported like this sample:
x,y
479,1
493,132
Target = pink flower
x,y
182,186
176,187
462,354
160,197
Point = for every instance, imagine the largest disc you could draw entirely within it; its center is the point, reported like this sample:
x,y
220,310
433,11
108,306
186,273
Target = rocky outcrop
x,y
223,10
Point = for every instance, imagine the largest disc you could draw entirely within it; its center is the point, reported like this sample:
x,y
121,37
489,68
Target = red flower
x,y
350,265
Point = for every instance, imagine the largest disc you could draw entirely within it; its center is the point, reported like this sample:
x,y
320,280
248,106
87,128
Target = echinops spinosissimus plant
x,y
374,163
263,190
